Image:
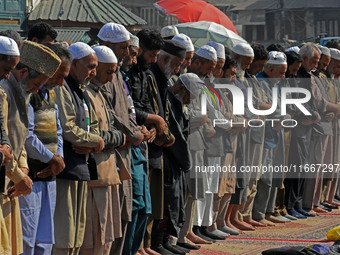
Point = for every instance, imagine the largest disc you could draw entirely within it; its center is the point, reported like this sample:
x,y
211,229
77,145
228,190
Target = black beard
x,y
141,63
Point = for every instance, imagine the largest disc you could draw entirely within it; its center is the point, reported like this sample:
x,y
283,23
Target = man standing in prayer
x,y
80,128
44,146
103,218
117,38
37,64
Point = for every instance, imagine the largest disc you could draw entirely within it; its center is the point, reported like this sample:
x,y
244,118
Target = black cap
x,y
174,48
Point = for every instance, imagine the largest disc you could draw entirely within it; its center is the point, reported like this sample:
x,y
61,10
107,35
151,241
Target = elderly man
x,y
189,50
44,146
103,222
322,131
214,153
264,201
256,134
203,62
186,88
117,38
131,59
332,94
220,50
168,32
9,58
310,55
243,54
300,150
168,63
37,64
80,128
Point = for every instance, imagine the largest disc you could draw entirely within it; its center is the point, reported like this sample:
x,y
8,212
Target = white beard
x,y
167,71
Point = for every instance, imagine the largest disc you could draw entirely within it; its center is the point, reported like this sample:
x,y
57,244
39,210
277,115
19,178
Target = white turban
x,y
105,54
169,31
185,41
207,52
335,53
219,49
8,46
115,33
192,83
243,49
277,58
80,50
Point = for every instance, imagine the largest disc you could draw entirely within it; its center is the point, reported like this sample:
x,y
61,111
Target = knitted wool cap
x,y
40,58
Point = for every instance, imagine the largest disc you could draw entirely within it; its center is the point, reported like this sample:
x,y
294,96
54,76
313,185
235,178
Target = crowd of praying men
x,y
116,146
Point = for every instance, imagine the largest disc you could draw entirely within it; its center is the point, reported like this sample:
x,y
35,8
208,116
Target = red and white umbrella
x,y
194,10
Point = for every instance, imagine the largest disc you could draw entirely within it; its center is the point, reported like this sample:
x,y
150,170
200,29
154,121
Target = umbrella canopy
x,y
203,32
195,10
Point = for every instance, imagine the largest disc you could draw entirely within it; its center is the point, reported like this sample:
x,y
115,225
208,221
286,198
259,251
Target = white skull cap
x,y
277,58
207,52
134,40
113,32
169,31
335,53
243,49
8,46
192,83
324,50
80,50
219,47
185,41
105,54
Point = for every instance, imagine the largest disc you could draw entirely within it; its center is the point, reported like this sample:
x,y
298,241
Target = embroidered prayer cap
x,y
113,32
40,58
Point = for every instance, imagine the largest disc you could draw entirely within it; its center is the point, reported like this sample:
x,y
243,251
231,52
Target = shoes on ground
x,y
290,217
284,218
213,235
188,246
305,213
229,230
296,214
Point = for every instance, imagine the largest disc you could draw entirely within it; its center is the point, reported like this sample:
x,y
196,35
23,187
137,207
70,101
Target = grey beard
x,y
167,70
239,70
